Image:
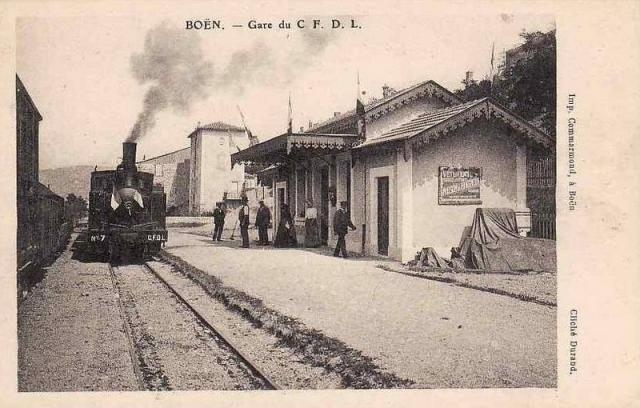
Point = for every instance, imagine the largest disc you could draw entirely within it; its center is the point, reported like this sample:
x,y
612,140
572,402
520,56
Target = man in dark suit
x,y
218,222
263,218
243,220
341,223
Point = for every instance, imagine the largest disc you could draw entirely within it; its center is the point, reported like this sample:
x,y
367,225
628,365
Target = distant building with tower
x,y
212,178
198,176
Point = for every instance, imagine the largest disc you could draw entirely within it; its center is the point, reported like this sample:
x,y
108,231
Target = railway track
x,y
145,347
127,331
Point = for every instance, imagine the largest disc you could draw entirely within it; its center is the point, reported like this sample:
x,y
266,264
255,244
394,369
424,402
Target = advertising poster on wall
x,y
459,185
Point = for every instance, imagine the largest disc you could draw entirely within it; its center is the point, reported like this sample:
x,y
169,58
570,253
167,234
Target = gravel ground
x,y
536,287
281,364
70,334
176,352
435,334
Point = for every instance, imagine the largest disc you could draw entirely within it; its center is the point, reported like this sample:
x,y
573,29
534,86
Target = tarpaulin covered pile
x,y
494,244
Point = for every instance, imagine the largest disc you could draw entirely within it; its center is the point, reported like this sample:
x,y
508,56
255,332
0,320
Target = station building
x,y
427,162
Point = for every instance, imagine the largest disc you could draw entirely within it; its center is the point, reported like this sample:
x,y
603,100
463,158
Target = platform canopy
x,y
279,149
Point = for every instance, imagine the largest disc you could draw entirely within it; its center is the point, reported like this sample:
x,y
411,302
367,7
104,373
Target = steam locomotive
x,y
126,211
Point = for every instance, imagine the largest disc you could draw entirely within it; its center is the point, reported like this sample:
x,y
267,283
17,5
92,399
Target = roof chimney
x,y
468,78
336,114
310,124
385,90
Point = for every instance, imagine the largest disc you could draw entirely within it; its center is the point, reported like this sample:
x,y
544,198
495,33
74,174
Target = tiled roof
x,y
373,105
433,124
22,89
183,150
41,189
221,126
425,121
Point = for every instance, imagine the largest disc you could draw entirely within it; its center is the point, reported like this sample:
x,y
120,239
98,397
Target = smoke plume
x,y
173,64
261,64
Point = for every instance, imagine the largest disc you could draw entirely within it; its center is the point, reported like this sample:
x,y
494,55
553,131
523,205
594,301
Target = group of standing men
x,y
263,220
341,223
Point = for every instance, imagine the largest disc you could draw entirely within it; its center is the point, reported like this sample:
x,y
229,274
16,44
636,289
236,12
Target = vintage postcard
x,y
325,204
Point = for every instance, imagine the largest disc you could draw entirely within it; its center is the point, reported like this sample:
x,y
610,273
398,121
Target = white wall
x,y
482,145
216,175
194,178
364,173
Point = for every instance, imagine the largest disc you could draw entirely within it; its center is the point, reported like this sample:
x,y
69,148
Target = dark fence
x,y
541,196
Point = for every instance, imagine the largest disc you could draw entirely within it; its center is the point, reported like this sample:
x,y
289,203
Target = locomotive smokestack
x,y
129,154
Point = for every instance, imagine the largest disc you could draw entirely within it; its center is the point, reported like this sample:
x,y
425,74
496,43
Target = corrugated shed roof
x,y
274,150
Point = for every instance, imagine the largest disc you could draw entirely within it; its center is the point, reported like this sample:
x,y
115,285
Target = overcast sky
x,y
82,82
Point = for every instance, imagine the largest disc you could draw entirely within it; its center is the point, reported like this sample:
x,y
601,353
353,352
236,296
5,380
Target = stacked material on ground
x,y
429,258
494,244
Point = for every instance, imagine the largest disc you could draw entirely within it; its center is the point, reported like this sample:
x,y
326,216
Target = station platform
x,y
435,334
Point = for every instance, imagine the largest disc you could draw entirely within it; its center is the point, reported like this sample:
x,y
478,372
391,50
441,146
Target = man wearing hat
x,y
263,218
243,220
341,223
218,221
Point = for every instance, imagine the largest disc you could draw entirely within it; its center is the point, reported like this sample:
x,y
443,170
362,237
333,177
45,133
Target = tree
x,y
474,90
75,207
527,84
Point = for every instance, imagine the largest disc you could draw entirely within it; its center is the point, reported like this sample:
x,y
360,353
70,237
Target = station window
x,y
158,171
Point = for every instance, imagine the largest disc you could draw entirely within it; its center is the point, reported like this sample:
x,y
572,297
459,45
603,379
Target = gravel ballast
x,y
70,333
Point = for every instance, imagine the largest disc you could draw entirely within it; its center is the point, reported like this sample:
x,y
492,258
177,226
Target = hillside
x,y
65,180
